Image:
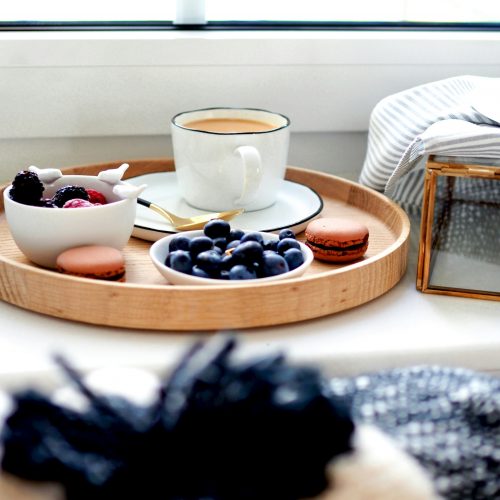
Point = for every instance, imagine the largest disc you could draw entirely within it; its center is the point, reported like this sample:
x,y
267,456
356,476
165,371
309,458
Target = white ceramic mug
x,y
222,169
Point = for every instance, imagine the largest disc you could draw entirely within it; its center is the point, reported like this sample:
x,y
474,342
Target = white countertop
x,y
402,327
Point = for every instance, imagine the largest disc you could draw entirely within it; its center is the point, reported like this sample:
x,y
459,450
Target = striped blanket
x,y
451,117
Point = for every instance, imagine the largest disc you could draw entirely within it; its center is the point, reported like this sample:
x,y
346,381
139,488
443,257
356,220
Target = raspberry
x,y
27,188
68,193
96,197
78,203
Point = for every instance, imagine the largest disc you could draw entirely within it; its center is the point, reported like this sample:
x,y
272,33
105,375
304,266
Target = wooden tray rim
x,y
401,237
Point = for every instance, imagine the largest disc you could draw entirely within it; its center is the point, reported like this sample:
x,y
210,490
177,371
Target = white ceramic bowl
x,y
43,233
159,251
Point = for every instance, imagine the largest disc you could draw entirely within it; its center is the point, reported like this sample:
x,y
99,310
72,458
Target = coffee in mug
x,y
229,158
229,125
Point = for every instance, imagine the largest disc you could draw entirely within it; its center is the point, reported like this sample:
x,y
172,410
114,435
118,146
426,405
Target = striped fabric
x,y
438,118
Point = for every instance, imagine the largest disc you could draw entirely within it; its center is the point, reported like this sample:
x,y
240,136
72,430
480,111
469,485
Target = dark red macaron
x,y
336,239
93,261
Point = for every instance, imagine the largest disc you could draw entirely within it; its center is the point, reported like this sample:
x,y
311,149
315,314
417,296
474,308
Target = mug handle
x,y
252,173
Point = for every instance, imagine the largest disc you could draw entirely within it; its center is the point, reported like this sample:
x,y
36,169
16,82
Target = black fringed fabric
x,y
447,418
219,430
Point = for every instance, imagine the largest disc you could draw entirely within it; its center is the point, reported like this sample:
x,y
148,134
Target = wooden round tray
x,y
146,301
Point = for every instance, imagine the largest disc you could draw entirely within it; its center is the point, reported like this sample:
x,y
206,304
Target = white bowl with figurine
x,y
48,212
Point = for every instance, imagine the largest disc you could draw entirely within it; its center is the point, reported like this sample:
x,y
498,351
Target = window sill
x,y
144,48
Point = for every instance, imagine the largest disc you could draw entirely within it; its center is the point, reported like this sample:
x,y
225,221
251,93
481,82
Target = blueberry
x,y
200,244
273,264
167,260
180,260
248,252
228,261
241,272
179,243
257,267
217,228
235,234
268,252
286,243
209,261
224,274
252,236
294,258
286,233
233,244
220,243
199,272
271,245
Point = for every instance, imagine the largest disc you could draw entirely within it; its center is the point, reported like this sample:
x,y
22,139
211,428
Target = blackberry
x,y
27,188
69,193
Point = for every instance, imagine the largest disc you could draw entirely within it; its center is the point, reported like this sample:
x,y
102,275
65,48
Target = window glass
x,y
255,10
88,10
355,10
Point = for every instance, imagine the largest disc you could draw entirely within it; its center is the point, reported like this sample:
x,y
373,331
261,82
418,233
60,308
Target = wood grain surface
x,y
147,301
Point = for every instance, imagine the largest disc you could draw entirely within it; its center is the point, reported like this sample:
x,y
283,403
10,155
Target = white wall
x,y
338,153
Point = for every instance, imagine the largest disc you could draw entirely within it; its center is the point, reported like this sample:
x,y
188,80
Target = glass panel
x,y
354,10
88,10
465,248
257,10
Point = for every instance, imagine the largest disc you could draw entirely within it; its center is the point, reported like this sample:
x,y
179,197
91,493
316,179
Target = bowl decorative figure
x,y
42,233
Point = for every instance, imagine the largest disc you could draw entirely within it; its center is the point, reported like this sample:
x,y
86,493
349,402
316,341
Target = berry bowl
x,y
42,233
189,258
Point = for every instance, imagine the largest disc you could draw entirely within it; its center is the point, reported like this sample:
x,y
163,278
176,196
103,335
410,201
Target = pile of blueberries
x,y
232,254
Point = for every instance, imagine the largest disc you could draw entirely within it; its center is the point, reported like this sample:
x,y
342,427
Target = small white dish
x,y
295,206
159,251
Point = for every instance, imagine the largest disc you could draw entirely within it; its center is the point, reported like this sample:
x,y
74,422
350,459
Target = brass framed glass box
x,y
459,248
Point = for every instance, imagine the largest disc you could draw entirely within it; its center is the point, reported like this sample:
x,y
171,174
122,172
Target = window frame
x,y
246,26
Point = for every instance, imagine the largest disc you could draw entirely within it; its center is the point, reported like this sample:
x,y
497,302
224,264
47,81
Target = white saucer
x,y
295,207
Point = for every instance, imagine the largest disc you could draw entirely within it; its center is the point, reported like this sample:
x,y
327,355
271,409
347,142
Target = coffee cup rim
x,y
175,117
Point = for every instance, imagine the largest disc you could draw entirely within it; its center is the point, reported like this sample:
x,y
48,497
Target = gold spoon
x,y
189,223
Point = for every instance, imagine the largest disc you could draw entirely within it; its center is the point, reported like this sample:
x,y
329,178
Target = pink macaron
x,y
93,261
